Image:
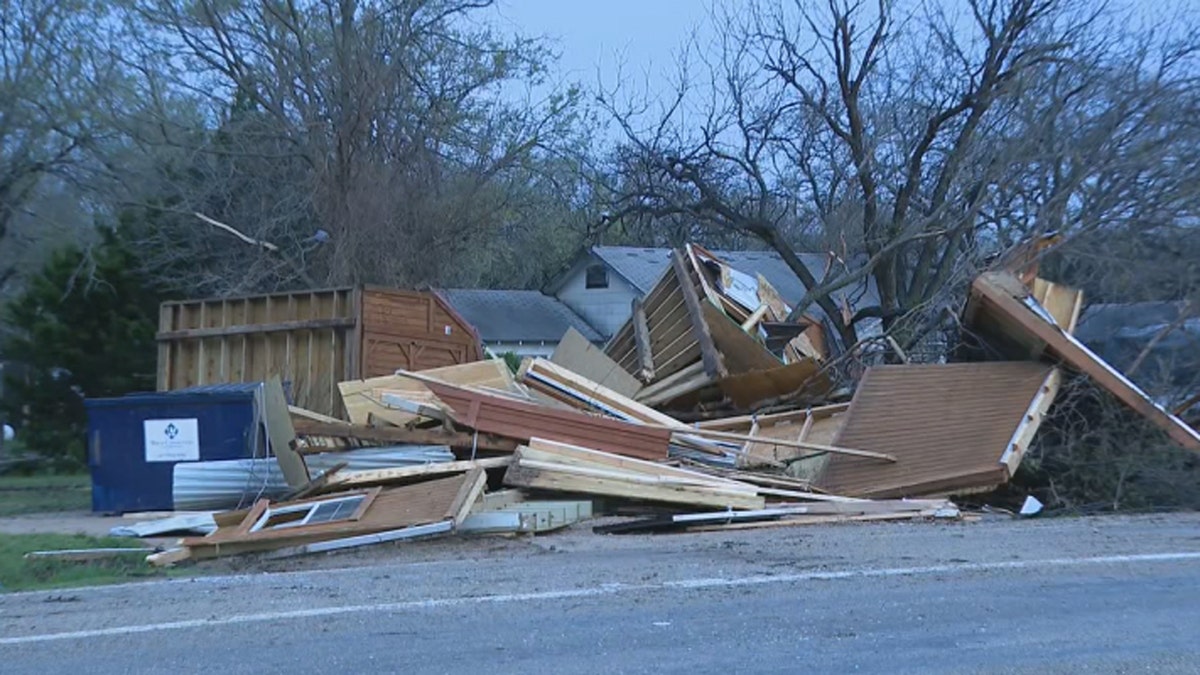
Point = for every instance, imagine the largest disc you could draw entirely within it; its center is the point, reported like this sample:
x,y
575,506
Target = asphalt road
x,y
1069,596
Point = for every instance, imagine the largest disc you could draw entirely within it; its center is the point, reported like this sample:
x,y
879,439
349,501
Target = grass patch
x,y
20,495
19,574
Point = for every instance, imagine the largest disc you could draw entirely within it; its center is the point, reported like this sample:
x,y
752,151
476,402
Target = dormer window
x,y
597,276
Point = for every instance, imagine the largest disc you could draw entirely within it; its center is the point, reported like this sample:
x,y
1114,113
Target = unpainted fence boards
x,y
311,339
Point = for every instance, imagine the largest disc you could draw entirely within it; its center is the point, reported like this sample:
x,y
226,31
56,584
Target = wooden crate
x,y
311,339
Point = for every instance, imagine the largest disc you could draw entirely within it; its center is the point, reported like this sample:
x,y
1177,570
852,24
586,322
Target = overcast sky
x,y
643,36
592,34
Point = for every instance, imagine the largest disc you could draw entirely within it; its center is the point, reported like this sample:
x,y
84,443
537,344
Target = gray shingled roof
x,y
512,316
1120,332
643,266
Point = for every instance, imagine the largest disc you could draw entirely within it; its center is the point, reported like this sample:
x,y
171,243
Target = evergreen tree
x,y
84,326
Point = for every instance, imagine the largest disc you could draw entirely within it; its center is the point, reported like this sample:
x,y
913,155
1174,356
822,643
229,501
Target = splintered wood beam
x,y
781,442
641,336
282,432
714,365
752,322
402,435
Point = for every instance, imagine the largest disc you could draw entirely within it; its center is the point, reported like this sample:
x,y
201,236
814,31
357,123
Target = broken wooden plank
x,y
751,324
542,448
800,414
316,484
85,554
803,445
524,420
1027,429
678,384
385,435
281,433
641,338
713,363
682,521
409,473
362,397
795,521
301,413
467,495
740,352
404,533
631,486
169,557
802,382
413,407
577,355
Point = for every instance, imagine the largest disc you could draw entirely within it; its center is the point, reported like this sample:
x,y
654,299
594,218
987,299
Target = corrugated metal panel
x,y
367,459
946,424
232,484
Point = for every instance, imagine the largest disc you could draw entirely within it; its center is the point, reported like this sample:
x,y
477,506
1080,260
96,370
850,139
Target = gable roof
x,y
642,267
517,316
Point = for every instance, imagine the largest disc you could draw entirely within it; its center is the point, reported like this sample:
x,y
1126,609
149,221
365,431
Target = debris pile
x,y
475,448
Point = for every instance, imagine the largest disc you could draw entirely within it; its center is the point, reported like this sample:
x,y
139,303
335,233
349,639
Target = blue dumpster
x,y
135,441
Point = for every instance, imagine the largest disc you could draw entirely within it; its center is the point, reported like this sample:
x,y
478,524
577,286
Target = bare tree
x,y
922,138
52,65
371,140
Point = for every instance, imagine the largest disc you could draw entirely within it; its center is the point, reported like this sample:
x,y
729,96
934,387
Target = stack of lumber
x,y
576,450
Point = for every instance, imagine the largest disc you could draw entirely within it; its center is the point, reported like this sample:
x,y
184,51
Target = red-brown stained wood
x,y
947,425
523,421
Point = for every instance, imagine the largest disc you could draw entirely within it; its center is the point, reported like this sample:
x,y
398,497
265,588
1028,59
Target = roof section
x,y
513,316
643,266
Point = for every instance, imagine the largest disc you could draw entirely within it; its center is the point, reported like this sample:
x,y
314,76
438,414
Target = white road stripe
x,y
606,589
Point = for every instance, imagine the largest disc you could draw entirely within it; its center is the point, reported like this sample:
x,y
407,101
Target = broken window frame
x,y
261,519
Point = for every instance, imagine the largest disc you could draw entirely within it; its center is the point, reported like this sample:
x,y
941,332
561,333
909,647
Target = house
x,y
1165,336
602,282
526,323
595,293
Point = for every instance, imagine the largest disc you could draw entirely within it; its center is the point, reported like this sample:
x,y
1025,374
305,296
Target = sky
x,y
635,37
640,38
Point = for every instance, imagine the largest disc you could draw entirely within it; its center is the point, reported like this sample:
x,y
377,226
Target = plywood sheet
x,y
803,381
581,357
741,352
389,509
948,425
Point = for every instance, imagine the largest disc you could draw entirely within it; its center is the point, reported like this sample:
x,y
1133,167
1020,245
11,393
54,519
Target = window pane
x,y
597,276
335,510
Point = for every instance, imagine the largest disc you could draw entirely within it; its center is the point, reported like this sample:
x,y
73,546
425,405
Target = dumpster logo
x,y
172,440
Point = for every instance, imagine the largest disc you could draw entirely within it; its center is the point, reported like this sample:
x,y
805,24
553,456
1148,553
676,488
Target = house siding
x,y
606,309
